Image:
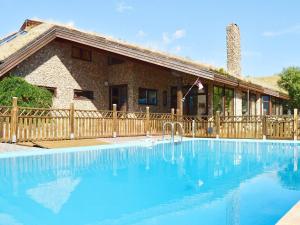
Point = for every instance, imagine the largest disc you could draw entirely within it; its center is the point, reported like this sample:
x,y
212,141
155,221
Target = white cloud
x,y
289,30
122,7
141,34
167,43
180,33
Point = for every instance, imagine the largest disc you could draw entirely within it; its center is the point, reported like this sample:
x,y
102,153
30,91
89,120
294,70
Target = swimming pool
x,y
210,182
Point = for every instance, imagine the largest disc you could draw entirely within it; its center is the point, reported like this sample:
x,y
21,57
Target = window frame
x,y
83,97
81,53
223,99
269,104
147,90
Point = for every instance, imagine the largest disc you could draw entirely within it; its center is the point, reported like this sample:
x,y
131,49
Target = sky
x,y
196,29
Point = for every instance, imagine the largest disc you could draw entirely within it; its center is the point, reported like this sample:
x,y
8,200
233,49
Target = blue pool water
x,y
209,182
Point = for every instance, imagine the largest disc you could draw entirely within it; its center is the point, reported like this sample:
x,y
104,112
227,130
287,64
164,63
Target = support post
x,y
217,123
264,127
295,132
72,121
178,115
172,114
179,96
193,128
115,118
147,121
14,120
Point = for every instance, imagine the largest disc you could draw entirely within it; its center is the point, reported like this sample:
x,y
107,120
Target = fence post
x,y
178,114
264,127
172,114
14,120
295,124
115,118
72,121
193,128
217,122
147,121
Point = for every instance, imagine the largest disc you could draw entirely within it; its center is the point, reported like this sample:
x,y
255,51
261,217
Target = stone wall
x,y
233,50
53,66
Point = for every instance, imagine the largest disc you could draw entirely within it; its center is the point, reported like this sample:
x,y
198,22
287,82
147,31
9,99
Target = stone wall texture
x,y
233,50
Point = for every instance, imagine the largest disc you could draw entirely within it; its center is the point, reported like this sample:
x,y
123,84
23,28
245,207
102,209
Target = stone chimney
x,y
233,50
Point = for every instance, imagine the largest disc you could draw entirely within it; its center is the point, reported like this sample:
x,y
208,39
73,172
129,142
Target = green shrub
x,y
28,95
290,81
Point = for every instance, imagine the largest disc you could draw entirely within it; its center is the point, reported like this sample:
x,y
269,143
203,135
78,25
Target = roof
x,y
270,82
38,33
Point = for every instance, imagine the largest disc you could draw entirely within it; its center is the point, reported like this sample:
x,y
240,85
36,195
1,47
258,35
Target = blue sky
x,y
270,30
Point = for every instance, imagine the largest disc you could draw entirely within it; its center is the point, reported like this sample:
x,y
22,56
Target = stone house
x,y
94,72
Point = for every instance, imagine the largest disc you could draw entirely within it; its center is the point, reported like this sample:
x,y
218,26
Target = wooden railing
x,y
22,124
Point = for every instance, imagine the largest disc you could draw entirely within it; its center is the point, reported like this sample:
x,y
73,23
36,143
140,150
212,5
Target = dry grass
x,y
267,82
20,41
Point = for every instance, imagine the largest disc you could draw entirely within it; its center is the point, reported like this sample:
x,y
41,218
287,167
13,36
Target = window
x,y
80,53
229,95
244,103
276,106
173,97
52,90
223,100
266,104
83,95
147,96
252,104
114,61
165,98
218,99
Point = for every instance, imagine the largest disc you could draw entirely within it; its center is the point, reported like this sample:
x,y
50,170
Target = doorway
x,y
118,95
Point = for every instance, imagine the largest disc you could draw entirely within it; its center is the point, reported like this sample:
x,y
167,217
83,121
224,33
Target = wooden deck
x,y
64,143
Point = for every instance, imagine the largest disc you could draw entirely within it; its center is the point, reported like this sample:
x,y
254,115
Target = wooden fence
x,y
21,124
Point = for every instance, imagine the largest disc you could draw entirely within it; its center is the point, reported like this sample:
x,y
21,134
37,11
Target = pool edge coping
x,y
144,143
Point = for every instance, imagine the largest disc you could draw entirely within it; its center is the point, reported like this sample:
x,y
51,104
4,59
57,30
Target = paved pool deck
x,y
292,217
29,146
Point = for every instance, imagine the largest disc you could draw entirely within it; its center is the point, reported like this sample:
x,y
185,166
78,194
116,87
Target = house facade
x,y
95,72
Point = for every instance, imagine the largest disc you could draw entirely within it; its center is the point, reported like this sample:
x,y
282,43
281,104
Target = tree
x,y
290,81
28,95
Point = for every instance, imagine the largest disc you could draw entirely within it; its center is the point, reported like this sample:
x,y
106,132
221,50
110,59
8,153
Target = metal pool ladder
x,y
172,124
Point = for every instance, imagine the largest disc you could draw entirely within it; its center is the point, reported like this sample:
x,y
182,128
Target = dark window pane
x,y
229,94
147,97
218,99
244,103
86,55
80,53
173,97
165,98
266,104
142,96
152,97
113,60
81,94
